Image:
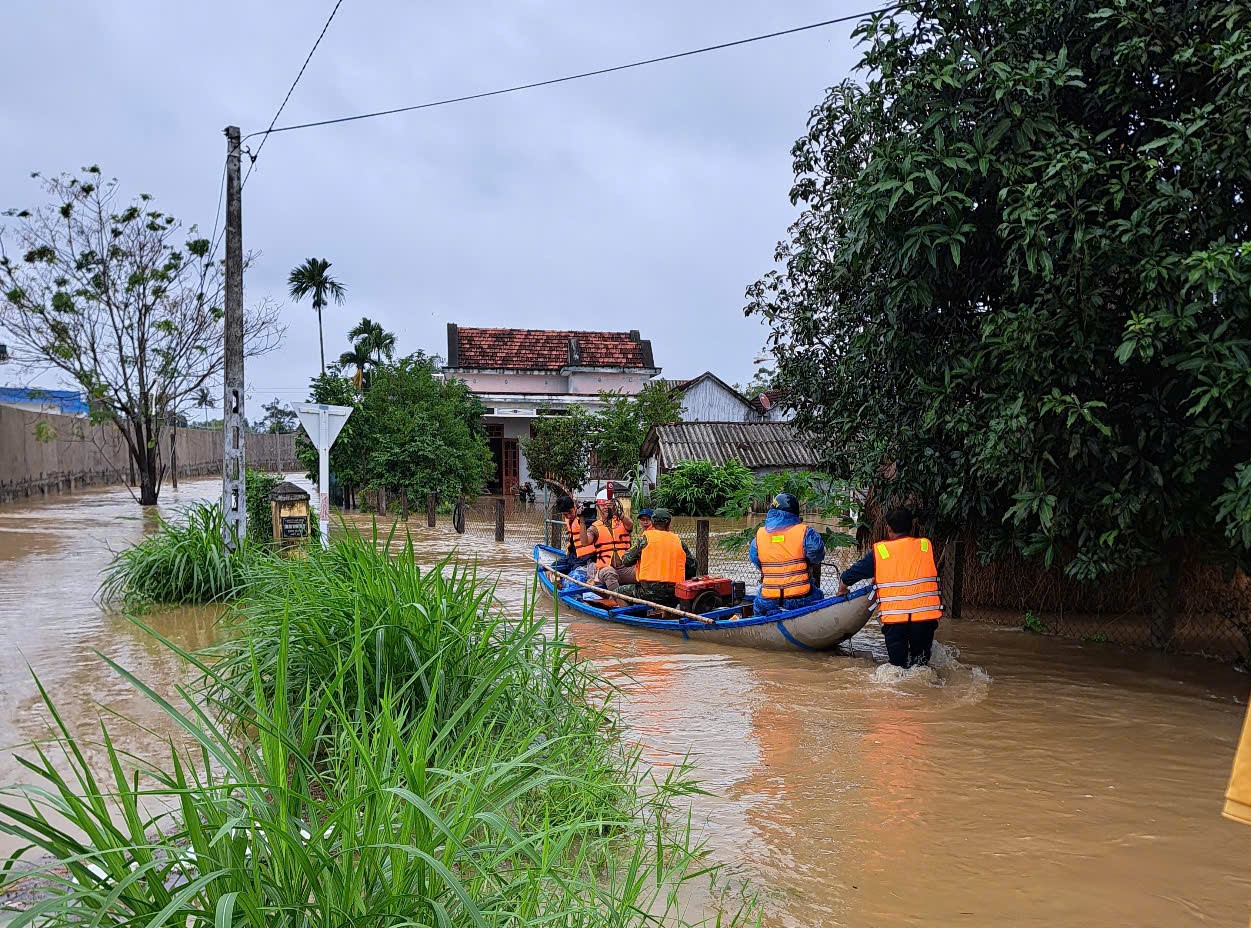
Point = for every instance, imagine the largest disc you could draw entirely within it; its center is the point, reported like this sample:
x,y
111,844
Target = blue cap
x,y
645,512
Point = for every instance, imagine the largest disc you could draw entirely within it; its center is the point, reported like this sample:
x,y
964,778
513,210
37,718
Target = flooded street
x,y
1023,781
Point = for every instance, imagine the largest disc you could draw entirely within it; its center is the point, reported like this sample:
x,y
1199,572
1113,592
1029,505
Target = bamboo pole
x,y
642,602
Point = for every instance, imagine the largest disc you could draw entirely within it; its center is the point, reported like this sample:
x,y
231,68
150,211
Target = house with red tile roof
x,y
519,374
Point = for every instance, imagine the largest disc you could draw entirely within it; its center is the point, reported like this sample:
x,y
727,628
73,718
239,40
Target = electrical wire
x,y
572,77
290,91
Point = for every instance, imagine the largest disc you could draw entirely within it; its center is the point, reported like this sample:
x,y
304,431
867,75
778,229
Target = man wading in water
x,y
903,568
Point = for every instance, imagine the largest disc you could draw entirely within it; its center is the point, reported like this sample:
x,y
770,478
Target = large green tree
x,y
408,431
1019,291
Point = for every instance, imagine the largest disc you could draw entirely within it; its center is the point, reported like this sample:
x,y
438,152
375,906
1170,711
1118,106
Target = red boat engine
x,y
703,594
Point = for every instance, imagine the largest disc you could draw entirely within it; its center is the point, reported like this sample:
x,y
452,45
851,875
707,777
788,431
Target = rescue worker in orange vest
x,y
609,534
577,553
909,603
787,552
654,566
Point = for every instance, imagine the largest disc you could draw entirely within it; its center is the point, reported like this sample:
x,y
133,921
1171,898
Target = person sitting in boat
x,y
909,600
654,565
577,553
609,534
645,520
788,553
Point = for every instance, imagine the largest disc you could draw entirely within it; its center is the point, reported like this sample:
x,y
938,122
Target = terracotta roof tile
x,y
549,349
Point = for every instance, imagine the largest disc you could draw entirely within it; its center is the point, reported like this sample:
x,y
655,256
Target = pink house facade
x,y
520,374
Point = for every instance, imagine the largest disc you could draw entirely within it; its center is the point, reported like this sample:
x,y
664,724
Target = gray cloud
x,y
647,199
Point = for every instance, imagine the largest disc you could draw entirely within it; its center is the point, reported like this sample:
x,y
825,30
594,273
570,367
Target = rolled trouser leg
x,y
608,578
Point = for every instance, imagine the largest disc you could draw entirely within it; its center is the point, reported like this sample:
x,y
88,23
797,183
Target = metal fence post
x,y
430,515
499,520
701,547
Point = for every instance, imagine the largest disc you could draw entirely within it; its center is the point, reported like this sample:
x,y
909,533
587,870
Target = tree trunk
x,y
321,342
145,461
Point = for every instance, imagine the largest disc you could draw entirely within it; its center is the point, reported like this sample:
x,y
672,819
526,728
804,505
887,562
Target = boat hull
x,y
818,627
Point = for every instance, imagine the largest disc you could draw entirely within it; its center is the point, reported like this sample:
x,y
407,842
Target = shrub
x,y
700,488
260,518
182,562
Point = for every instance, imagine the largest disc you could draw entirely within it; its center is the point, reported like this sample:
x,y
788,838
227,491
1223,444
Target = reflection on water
x,y
1019,781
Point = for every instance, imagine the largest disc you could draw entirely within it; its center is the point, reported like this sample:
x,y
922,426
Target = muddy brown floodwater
x,y
1023,781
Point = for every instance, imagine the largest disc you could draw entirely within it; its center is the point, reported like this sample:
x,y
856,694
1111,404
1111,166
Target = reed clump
x,y
186,560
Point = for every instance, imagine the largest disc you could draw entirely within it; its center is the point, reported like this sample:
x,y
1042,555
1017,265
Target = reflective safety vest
x,y
610,541
663,559
907,581
579,550
784,570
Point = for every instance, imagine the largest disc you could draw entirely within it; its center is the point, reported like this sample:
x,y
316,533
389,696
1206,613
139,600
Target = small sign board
x,y
295,526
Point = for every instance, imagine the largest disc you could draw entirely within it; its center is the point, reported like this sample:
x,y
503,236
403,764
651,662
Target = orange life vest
x,y
610,541
907,581
784,570
663,559
579,550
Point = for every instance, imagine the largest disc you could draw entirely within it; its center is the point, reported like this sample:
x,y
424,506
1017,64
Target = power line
x,y
573,77
290,91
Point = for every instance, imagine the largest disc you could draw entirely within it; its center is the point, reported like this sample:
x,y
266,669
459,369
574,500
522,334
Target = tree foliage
x,y
408,431
558,450
1019,292
279,418
313,279
701,488
121,299
621,426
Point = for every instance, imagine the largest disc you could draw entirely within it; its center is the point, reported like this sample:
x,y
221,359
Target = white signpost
x,y
323,423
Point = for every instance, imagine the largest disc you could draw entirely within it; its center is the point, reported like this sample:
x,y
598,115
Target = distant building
x,y
520,374
33,399
763,447
708,398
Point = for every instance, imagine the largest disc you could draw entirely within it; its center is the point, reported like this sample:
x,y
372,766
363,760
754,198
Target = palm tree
x,y
312,277
377,340
204,400
360,358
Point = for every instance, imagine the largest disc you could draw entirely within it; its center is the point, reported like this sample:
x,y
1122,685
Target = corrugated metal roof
x,y
756,444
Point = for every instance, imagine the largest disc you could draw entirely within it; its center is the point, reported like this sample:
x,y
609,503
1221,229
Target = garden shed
x,y
763,447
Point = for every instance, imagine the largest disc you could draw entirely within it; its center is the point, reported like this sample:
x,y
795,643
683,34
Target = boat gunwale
x,y
619,615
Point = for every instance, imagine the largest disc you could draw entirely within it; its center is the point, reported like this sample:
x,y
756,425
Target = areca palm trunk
x,y
321,342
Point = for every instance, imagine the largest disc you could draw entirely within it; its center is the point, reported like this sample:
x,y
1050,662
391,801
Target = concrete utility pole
x,y
234,472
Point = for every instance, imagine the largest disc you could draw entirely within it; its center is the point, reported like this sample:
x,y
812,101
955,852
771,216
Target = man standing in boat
x,y
788,553
910,606
655,565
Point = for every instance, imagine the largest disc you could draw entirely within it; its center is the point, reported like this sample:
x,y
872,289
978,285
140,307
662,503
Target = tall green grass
x,y
359,627
379,747
183,561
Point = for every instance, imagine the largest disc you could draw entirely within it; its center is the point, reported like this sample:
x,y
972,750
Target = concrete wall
x,y
70,453
515,383
595,382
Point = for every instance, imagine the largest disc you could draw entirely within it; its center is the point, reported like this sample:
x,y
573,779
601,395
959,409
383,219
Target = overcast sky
x,y
648,199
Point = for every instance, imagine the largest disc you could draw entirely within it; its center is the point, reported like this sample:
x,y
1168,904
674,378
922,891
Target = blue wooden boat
x,y
816,627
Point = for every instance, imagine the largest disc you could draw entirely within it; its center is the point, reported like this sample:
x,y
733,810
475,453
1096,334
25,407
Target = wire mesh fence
x,y
1205,613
